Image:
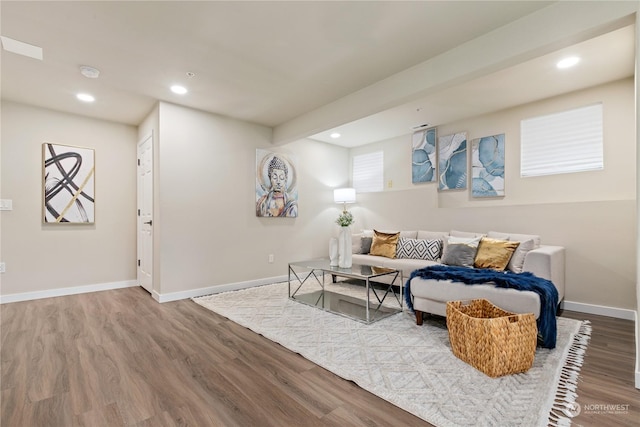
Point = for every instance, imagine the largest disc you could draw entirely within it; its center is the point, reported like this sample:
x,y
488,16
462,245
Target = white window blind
x,y
566,142
368,172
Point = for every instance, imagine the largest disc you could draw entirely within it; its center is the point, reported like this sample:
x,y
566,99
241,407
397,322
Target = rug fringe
x,y
564,405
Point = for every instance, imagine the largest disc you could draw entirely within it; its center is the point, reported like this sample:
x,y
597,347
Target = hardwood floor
x,y
118,358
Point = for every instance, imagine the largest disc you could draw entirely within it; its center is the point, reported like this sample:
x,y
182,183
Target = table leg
x,y
367,308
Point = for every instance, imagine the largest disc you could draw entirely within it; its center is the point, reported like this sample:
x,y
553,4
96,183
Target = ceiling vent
x,y
21,48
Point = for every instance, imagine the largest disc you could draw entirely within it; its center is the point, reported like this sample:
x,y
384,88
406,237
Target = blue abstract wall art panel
x,y
487,164
452,161
423,156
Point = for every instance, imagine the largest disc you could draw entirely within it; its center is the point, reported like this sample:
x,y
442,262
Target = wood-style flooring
x,y
118,358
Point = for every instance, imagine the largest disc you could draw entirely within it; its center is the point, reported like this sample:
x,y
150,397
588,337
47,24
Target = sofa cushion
x,y
411,234
460,251
457,233
498,235
494,253
431,296
524,237
373,260
515,237
407,266
419,249
429,235
384,244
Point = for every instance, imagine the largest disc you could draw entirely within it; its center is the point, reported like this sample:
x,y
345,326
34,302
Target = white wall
x,y
591,214
44,257
205,209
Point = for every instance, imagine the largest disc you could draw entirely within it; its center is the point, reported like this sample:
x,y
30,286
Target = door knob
x,y
149,222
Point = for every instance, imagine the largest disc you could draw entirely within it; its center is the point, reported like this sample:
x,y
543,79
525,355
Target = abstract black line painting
x,y
68,184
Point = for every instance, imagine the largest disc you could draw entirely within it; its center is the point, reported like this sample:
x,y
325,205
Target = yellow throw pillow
x,y
494,253
384,244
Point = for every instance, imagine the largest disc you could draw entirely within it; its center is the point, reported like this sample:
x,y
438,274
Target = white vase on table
x,y
344,248
333,252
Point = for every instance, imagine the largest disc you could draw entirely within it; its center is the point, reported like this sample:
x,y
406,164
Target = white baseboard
x,y
619,313
49,293
193,293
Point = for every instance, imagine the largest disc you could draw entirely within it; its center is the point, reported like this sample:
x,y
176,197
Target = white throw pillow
x,y
356,243
517,260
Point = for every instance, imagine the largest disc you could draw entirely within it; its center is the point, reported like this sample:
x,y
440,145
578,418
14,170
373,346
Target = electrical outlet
x,y
271,258
6,205
2,267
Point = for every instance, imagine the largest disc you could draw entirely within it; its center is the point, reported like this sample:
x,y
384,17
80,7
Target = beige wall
x,y
205,229
206,232
591,214
44,256
205,219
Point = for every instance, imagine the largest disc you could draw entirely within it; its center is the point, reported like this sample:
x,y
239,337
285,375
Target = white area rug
x,y
412,366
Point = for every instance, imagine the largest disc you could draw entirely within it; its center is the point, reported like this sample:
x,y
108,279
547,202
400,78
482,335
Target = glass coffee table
x,y
350,298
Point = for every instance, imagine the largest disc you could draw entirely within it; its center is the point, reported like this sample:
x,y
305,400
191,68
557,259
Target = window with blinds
x,y
368,172
566,142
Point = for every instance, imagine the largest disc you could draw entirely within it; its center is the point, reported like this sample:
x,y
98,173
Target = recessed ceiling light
x,y
85,97
180,90
89,72
335,135
568,62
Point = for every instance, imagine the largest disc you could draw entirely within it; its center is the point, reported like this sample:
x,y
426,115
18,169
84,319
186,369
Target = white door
x,y
145,213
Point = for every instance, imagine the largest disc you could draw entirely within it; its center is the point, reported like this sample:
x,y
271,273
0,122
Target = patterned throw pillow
x,y
419,249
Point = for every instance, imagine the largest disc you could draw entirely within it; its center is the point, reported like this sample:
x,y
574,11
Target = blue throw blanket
x,y
503,279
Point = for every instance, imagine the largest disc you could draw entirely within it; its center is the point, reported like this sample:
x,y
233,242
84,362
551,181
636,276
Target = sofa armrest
x,y
547,262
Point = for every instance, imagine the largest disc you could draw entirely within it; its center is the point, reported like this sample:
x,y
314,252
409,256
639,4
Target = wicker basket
x,y
490,339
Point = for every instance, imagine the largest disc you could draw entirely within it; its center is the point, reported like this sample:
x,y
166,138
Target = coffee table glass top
x,y
356,270
365,299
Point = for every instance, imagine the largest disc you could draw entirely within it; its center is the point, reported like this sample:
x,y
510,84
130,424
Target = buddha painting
x,y
276,192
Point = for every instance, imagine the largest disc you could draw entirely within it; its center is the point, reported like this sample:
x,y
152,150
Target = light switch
x,y
6,205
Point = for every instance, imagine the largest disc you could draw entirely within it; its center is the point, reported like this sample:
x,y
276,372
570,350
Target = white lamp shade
x,y
344,195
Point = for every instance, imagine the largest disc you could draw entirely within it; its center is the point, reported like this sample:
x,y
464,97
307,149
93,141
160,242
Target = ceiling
x,y
270,62
604,59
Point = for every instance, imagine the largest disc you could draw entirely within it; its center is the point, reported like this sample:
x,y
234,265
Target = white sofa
x,y
431,296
